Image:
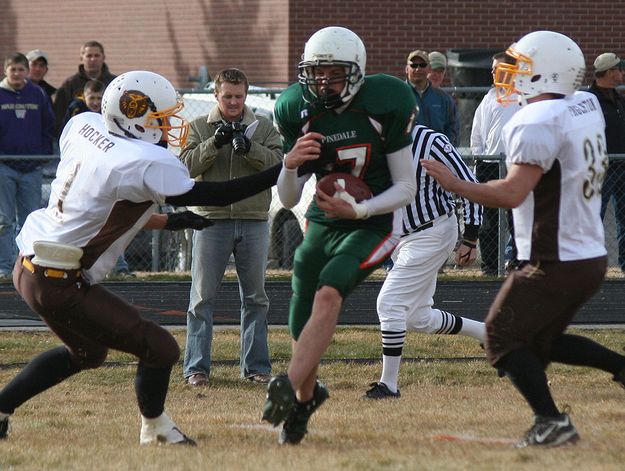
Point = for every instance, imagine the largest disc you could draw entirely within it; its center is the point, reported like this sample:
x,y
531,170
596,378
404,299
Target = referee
x,y
430,235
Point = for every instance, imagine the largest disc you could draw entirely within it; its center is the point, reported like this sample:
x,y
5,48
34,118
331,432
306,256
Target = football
x,y
353,185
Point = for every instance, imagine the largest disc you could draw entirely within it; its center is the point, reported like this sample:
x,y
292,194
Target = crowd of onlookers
x,y
34,118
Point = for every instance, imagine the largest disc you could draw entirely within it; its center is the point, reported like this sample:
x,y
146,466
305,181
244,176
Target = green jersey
x,y
377,122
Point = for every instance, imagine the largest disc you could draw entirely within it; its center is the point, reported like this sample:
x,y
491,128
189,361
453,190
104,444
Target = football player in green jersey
x,y
337,120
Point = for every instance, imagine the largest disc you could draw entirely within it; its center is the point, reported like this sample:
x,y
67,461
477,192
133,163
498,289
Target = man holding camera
x,y
230,142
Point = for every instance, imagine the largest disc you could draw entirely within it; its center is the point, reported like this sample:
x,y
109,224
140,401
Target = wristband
x,y
471,245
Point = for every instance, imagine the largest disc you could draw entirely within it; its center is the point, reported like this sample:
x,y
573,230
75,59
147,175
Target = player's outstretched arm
x,y
228,192
509,192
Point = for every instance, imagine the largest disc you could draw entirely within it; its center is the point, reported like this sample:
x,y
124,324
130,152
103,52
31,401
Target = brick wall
x,y
266,37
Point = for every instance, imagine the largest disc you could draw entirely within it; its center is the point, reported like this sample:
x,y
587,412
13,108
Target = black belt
x,y
427,225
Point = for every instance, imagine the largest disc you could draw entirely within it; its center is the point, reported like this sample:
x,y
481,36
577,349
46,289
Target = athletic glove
x,y
223,135
186,220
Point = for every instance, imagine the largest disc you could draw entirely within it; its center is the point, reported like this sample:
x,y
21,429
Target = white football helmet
x,y
333,45
545,62
140,105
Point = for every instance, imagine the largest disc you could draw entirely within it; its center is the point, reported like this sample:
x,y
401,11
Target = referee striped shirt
x,y
432,200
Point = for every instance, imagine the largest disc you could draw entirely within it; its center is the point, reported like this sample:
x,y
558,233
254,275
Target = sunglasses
x,y
419,65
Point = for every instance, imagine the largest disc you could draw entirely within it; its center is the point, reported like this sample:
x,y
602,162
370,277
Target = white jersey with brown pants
x,y
105,190
558,228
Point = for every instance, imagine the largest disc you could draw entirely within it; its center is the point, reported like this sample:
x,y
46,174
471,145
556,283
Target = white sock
x,y
475,329
390,371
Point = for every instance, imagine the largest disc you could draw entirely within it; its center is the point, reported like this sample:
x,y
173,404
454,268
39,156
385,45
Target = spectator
x,y
551,184
490,117
216,150
89,100
352,123
117,177
92,67
430,233
435,106
609,70
38,68
438,65
26,128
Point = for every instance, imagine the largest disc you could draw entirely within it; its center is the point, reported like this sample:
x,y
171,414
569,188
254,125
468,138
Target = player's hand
x,y
186,220
306,148
441,173
466,253
337,206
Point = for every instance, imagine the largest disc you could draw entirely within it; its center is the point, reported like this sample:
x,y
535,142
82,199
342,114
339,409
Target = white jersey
x,y
488,120
105,190
560,219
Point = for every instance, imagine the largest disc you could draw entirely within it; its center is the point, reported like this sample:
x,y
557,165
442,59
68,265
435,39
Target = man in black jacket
x,y
92,67
609,70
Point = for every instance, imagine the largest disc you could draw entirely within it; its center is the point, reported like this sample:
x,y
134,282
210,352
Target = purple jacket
x,y
26,125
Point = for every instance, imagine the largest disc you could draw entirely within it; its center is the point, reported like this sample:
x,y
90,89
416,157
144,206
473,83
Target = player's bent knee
x,y
392,316
89,360
162,349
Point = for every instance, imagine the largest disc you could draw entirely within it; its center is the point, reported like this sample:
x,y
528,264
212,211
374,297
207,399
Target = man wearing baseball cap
x,y
438,65
37,70
435,107
609,70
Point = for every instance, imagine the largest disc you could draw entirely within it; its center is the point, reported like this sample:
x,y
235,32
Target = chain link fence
x,y
165,251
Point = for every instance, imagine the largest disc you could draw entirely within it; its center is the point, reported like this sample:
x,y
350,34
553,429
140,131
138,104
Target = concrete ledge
x,y
166,302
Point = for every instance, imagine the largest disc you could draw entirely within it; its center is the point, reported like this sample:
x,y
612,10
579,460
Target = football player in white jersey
x,y
556,158
110,178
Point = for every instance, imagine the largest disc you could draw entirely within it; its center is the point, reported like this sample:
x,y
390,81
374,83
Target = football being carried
x,y
351,187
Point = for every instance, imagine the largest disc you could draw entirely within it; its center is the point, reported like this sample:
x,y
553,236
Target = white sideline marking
x,y
448,437
267,427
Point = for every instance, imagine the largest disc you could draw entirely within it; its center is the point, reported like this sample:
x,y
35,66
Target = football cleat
x,y
5,427
296,424
550,432
380,391
162,430
280,400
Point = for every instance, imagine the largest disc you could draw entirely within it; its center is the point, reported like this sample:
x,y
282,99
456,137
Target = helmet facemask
x,y
316,90
175,126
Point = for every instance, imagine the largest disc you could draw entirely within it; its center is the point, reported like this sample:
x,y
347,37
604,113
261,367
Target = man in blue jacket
x,y
436,110
26,128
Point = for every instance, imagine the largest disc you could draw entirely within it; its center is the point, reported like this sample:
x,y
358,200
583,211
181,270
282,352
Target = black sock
x,y
44,371
582,351
151,386
527,374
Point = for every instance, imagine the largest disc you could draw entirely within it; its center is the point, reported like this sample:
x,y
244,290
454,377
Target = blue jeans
x,y
20,194
614,190
248,240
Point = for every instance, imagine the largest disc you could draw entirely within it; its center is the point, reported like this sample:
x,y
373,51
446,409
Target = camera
x,y
239,144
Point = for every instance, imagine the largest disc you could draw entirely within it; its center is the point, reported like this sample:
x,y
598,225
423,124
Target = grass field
x,y
454,413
